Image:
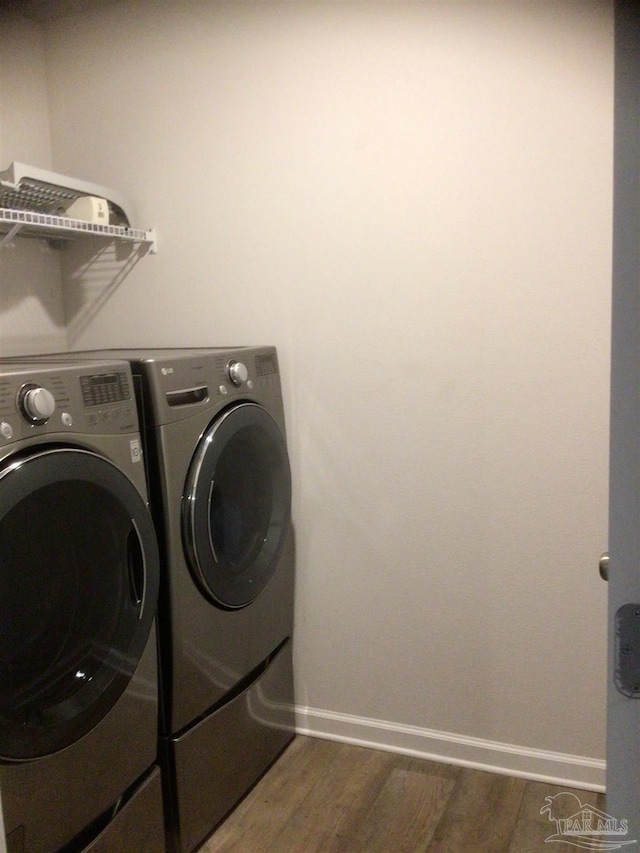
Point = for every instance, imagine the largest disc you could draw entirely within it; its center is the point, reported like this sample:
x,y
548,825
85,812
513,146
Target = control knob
x,y
36,403
237,372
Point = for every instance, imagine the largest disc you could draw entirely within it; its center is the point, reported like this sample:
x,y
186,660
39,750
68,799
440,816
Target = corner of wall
x,y
31,300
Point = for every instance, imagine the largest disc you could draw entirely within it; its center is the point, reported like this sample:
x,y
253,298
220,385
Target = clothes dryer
x,y
214,421
220,489
79,575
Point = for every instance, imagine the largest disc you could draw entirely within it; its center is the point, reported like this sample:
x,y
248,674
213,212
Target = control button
x,y
250,384
223,390
36,403
67,420
237,372
6,430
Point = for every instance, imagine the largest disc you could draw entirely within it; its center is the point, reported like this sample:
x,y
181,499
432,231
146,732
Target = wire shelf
x,y
33,201
33,224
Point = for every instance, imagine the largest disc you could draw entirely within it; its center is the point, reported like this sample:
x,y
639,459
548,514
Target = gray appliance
x,y
220,493
79,577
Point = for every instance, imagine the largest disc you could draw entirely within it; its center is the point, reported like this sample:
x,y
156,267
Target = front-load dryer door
x,y
78,589
236,507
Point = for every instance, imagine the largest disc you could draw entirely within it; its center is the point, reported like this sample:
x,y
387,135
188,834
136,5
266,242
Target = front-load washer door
x,y
236,507
78,588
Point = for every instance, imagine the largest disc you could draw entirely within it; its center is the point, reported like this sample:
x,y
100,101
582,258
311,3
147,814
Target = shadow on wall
x,y
92,271
48,296
31,303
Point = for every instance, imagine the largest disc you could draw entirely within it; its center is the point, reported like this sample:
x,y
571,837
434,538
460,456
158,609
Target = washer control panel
x,y
88,398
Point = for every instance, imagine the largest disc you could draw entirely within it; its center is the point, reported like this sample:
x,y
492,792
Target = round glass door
x,y
78,584
237,505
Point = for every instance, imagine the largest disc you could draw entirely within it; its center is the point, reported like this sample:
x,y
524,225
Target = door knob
x,y
603,565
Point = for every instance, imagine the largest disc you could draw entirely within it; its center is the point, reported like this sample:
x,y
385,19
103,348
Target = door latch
x,y
627,650
603,566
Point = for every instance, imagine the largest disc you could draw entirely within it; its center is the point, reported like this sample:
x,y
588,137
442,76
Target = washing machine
x,y
220,492
79,577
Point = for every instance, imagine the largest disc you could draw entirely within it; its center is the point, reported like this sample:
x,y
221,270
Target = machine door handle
x,y
603,566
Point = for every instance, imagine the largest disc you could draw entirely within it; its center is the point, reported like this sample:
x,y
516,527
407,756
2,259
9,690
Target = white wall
x,y
31,307
413,202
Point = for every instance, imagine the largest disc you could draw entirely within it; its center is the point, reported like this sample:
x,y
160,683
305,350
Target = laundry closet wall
x,y
31,308
412,200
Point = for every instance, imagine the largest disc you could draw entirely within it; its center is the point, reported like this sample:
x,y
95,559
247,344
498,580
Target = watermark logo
x,y
583,825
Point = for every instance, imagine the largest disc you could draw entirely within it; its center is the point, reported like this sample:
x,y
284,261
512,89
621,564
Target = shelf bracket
x,y
10,235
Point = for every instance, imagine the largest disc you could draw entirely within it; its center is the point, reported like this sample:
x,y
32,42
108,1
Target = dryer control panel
x,y
179,383
91,398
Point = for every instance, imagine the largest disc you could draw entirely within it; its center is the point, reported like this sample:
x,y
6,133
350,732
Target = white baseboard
x,y
557,768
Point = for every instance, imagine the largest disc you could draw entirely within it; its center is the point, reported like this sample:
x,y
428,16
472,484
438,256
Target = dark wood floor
x,y
326,797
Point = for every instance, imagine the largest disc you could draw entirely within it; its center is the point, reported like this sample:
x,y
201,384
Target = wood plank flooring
x,y
326,797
